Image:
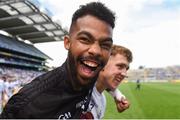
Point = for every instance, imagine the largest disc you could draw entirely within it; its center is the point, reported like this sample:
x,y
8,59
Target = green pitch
x,y
152,101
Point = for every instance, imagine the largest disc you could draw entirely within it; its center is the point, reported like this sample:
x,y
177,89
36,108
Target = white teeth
x,y
90,63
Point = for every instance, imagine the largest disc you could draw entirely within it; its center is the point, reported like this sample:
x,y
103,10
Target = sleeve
x,y
117,94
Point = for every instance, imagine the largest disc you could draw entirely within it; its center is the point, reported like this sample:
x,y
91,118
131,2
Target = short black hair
x,y
96,9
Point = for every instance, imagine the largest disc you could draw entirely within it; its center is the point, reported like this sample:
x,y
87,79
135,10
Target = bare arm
x,y
121,102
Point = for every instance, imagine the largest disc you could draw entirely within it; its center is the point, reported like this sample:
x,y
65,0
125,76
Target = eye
x,y
85,40
123,66
106,45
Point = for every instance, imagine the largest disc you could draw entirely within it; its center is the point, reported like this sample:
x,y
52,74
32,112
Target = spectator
x,y
2,90
109,78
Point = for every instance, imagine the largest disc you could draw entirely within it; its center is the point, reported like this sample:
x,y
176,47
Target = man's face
x,y
89,45
115,71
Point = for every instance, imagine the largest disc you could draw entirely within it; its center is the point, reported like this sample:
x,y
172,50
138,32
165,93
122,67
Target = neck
x,y
100,86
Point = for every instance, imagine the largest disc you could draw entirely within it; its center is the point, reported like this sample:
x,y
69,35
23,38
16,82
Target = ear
x,y
66,42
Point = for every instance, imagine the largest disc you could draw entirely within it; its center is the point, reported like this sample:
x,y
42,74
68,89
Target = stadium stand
x,y
166,74
22,20
17,53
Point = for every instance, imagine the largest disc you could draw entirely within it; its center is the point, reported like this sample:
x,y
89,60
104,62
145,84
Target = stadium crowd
x,y
12,79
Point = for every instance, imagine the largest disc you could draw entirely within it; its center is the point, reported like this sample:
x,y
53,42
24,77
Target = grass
x,y
153,101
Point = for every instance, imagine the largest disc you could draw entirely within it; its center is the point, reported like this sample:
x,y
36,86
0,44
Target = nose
x,y
95,49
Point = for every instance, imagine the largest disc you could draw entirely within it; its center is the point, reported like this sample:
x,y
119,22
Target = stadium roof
x,y
23,19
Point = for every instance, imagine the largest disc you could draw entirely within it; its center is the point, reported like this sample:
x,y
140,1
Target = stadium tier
x,y
165,74
22,20
19,54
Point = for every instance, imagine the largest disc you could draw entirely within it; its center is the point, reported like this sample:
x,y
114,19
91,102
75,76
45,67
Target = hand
x,y
122,104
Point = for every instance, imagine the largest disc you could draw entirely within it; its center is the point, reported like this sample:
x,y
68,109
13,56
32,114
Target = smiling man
x,y
109,78
65,92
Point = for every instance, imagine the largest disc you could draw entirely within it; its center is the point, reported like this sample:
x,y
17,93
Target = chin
x,y
113,88
84,81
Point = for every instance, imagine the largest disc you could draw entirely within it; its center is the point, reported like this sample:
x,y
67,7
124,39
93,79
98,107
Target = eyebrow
x,y
86,33
92,37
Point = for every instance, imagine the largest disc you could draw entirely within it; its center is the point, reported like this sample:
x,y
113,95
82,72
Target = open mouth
x,y
90,65
119,79
87,70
